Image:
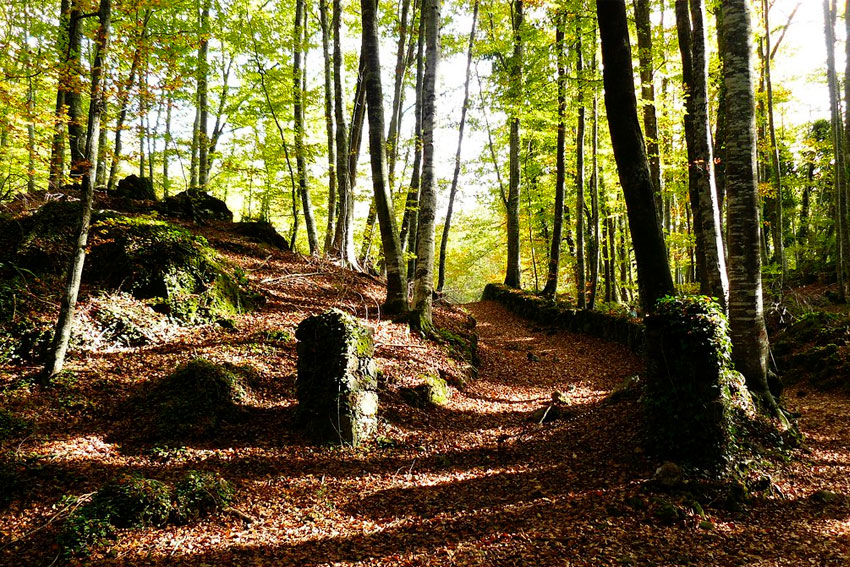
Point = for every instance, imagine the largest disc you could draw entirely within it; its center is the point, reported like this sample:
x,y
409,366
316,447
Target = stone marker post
x,y
337,378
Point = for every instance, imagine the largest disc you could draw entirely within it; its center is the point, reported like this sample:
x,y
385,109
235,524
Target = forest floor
x,y
473,482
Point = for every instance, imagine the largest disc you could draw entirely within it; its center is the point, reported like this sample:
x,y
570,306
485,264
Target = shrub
x,y
200,493
130,501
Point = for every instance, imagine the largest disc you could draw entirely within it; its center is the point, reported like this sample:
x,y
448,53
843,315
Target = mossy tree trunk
x,y
513,276
551,287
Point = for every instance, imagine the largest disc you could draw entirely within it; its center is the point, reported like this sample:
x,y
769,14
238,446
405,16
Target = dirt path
x,y
471,483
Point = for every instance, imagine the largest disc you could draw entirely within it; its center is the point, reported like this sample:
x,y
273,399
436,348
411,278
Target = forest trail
x,y
473,482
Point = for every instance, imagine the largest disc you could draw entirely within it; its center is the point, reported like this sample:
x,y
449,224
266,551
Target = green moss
x,y
197,396
200,493
130,501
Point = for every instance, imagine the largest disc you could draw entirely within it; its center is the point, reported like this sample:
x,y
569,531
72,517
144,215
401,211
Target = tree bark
x,y
839,176
329,126
513,269
62,332
203,106
778,239
654,280
711,263
647,93
746,313
298,110
423,283
551,287
594,191
444,241
410,222
396,301
581,276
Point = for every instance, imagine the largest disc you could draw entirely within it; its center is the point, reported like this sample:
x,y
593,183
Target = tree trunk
x,y
441,280
73,96
410,222
711,262
298,110
57,152
329,126
746,314
581,281
654,280
594,192
839,176
30,106
778,239
343,244
647,93
166,183
398,92
423,282
551,287
203,106
62,332
396,301
513,268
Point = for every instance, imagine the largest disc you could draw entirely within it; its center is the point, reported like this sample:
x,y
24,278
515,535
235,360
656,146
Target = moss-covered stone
x,y
197,396
194,205
692,393
264,232
434,391
136,188
337,379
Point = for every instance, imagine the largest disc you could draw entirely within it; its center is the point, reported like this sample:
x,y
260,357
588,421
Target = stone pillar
x,y
337,379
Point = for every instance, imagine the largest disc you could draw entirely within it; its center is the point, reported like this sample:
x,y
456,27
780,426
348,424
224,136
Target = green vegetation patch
x,y
197,396
200,493
815,346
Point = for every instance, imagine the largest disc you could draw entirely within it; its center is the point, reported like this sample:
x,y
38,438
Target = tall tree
x,y
690,18
329,125
594,189
299,29
778,238
343,243
513,276
746,312
62,333
203,71
581,275
654,280
441,280
423,282
551,286
396,301
646,63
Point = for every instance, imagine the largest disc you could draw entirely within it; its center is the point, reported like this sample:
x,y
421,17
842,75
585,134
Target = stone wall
x,y
337,385
548,312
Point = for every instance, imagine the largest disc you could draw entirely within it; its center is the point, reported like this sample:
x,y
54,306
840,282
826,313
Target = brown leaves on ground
x,y
471,483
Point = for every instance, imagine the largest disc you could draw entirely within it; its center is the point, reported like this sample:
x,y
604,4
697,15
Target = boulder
x,y
337,379
136,188
194,205
262,231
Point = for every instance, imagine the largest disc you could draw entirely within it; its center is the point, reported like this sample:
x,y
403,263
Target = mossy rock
x,y
136,188
200,493
264,232
195,205
198,396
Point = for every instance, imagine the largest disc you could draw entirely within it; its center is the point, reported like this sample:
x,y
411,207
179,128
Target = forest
x,y
424,282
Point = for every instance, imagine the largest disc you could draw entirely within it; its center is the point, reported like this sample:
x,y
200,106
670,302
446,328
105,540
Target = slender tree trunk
x,y
654,280
746,313
329,126
395,115
551,287
581,282
845,193
513,269
423,282
647,90
343,244
166,183
594,191
410,222
196,136
62,332
100,171
396,302
73,97
57,153
839,177
778,239
298,110
30,105
203,106
444,241
143,110
711,262
720,130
